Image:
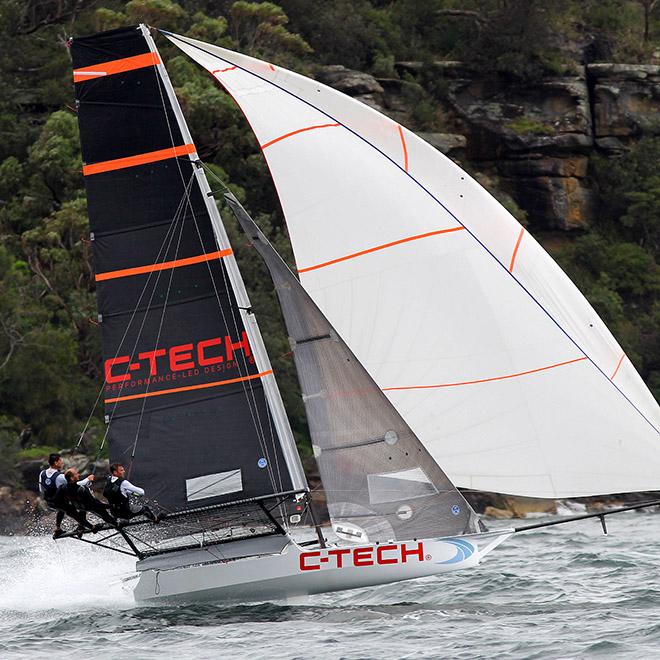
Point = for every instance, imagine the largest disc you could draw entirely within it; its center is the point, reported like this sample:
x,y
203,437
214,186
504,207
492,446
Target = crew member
x,y
81,498
50,481
118,491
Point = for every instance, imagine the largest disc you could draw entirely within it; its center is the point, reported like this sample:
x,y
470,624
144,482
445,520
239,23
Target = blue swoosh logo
x,y
464,550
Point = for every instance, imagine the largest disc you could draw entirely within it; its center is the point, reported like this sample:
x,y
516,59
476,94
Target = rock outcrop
x,y
626,103
22,511
535,139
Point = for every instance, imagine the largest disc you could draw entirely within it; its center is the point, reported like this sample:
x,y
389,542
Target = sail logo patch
x,y
194,358
464,550
214,485
388,553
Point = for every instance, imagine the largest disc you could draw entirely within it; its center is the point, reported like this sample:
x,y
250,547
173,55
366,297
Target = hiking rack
x,y
192,528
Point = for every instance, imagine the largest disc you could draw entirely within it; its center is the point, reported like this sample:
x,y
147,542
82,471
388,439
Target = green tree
x,y
515,38
259,29
159,13
629,188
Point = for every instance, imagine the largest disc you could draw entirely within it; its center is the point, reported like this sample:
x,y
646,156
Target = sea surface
x,y
561,592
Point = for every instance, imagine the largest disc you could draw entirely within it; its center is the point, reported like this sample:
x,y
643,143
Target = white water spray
x,y
40,574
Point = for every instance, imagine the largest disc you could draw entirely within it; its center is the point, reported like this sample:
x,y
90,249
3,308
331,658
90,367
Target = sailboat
x,y
192,405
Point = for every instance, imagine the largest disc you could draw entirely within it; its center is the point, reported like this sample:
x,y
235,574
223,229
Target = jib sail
x,y
191,402
379,480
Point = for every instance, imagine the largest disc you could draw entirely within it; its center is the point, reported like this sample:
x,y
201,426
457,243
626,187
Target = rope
x,y
160,329
163,250
270,424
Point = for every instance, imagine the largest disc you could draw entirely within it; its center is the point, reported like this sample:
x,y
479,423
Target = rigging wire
x,y
175,222
270,421
246,385
167,239
160,327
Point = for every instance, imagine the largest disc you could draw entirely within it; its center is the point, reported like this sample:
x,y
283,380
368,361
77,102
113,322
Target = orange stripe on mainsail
x,y
405,149
188,388
229,68
165,265
138,159
515,249
618,365
300,130
115,66
380,247
484,380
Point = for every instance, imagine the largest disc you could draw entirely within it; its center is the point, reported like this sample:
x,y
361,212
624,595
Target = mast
x,y
186,402
273,397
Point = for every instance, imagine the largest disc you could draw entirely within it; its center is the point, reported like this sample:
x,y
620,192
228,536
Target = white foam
x,y
570,508
41,574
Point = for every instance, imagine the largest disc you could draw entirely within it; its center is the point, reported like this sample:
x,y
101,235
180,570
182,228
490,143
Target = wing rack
x,y
193,528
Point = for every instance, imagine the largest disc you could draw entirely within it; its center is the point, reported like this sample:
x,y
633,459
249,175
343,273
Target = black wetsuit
x,y
49,491
81,500
62,502
120,504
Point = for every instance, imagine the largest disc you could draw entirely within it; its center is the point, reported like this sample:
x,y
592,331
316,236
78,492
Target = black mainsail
x,y
191,402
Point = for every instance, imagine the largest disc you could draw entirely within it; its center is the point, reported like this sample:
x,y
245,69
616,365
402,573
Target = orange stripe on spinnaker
x,y
618,365
115,66
138,159
165,265
229,68
188,388
405,150
380,247
300,130
485,380
515,249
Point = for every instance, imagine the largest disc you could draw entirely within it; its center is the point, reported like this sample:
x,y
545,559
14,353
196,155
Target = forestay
x,y
183,389
377,476
490,353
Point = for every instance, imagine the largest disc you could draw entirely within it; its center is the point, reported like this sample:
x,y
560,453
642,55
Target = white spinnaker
x,y
486,348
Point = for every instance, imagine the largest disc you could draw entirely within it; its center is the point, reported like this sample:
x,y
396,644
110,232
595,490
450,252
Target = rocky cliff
x,y
533,141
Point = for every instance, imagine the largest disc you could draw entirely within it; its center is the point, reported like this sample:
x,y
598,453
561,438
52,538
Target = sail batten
x,y
491,302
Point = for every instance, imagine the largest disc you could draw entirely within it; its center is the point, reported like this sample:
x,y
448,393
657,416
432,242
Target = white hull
x,y
298,571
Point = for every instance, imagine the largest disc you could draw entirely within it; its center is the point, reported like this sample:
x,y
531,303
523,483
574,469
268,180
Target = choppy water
x,y
564,592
